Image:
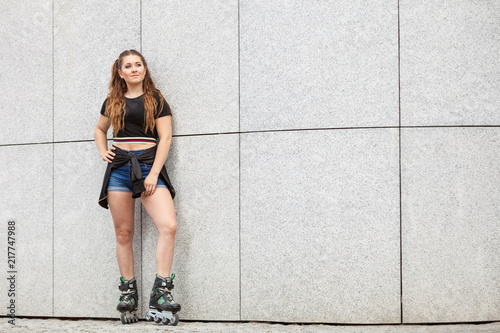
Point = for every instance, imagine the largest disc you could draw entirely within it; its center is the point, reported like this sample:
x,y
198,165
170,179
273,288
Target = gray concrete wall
x,y
334,161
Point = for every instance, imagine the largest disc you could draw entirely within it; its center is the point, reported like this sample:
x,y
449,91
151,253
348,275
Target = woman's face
x,y
133,70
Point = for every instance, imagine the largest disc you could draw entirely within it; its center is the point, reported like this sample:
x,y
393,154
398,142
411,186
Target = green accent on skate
x,y
122,279
132,301
161,300
171,276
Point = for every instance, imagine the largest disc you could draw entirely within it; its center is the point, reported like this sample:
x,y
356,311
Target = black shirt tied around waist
x,y
121,158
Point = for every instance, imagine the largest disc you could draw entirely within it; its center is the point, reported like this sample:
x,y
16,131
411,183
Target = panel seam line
x,y
400,179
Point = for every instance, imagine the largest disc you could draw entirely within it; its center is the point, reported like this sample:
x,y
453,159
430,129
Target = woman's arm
x,y
100,138
164,129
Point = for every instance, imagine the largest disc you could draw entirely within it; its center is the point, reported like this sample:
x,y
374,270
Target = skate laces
x,y
127,295
128,292
167,293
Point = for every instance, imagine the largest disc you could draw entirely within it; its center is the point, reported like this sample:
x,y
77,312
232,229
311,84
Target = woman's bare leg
x,y
160,208
121,205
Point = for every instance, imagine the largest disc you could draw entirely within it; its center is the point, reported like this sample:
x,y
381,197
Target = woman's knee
x,y
168,228
124,236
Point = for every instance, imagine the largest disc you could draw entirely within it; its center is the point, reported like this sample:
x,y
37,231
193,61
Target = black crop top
x,y
133,124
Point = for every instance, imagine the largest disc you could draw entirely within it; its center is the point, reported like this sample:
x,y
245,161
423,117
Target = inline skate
x,y
128,301
164,309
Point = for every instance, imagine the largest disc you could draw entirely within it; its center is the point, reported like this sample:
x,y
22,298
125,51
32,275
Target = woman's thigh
x,y
121,205
160,208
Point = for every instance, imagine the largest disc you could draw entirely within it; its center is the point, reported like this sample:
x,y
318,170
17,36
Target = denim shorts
x,y
119,179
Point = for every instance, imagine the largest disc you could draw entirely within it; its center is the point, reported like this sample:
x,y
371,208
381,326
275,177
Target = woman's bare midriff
x,y
133,146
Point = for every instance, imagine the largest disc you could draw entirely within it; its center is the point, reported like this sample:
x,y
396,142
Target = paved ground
x,y
105,326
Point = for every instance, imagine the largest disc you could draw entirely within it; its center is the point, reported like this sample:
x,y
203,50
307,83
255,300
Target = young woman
x,y
142,130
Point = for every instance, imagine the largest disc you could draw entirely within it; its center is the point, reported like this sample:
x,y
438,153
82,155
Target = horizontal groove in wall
x,y
270,131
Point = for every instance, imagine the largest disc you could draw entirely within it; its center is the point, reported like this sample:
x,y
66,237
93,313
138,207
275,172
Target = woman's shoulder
x,y
103,107
163,108
157,95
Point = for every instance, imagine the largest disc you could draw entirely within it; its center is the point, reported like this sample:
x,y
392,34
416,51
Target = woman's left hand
x,y
150,184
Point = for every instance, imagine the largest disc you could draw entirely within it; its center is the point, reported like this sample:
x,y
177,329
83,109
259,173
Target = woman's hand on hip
x,y
108,155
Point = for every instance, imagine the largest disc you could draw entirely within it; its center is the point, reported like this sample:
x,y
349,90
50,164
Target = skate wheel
x,y
175,320
123,318
165,321
157,320
149,317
